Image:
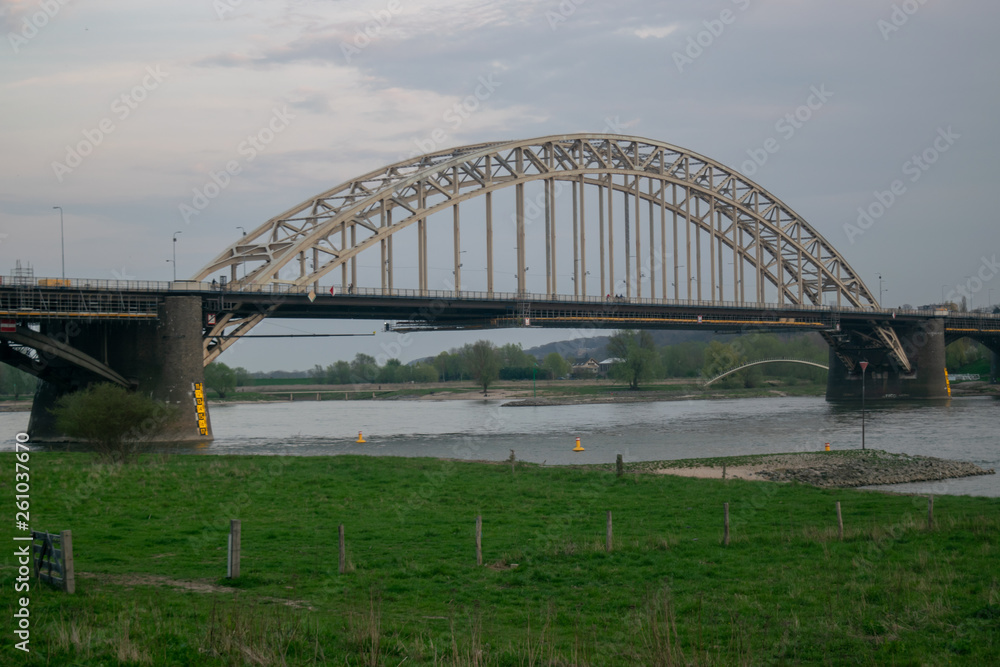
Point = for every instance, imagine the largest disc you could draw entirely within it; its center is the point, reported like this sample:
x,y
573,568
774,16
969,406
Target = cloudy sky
x,y
119,111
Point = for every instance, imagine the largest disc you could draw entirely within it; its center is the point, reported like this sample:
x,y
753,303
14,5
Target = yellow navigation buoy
x,y
828,446
361,438
579,447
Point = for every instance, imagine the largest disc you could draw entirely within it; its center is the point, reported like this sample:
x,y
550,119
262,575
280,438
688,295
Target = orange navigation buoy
x,y
361,438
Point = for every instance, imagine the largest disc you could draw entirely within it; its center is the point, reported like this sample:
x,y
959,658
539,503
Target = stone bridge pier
x,y
161,358
924,344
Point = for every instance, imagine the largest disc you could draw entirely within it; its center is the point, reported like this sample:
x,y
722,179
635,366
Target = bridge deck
x,y
435,309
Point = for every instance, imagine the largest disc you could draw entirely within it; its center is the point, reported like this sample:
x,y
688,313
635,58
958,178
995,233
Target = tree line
x,y
16,383
639,360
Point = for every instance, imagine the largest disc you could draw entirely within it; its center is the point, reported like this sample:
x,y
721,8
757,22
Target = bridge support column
x,y
162,359
924,345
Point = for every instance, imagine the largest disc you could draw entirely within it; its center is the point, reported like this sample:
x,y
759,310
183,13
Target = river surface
x,y
963,428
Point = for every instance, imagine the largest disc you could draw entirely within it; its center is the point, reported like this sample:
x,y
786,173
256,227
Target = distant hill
x,y
596,346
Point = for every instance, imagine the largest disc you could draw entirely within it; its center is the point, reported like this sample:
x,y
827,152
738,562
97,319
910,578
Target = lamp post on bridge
x,y
244,265
62,240
175,255
864,367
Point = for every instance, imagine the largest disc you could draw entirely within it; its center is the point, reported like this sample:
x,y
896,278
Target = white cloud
x,y
656,32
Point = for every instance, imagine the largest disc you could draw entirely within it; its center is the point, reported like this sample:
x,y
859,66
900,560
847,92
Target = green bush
x,y
116,421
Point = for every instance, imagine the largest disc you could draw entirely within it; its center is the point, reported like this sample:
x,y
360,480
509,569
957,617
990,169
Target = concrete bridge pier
x,y
924,346
162,359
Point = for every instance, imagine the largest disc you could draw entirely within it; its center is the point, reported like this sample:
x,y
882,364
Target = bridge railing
x,y
450,295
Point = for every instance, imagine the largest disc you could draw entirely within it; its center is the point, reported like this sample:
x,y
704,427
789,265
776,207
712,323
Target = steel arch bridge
x,y
736,369
699,209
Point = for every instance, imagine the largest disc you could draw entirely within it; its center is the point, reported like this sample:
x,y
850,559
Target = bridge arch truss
x,y
685,225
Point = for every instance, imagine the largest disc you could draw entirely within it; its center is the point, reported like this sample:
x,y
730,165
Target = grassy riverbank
x,y
149,543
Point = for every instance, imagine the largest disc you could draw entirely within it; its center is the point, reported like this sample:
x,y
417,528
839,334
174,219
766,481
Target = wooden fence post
x,y
930,512
479,540
619,466
725,532
608,542
343,551
233,569
69,578
840,523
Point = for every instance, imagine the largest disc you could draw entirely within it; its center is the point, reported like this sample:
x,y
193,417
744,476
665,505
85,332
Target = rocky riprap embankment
x,y
826,469
865,469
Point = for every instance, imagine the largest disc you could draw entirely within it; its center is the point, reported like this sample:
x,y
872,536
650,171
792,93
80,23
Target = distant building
x,y
606,365
588,368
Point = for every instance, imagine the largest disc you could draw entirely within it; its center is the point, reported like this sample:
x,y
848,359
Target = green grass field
x,y
150,551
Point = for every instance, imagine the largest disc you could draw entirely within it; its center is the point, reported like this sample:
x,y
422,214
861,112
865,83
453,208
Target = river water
x,y
962,428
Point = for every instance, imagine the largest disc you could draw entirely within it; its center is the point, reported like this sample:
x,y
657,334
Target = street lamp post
x,y
864,367
244,265
62,241
175,255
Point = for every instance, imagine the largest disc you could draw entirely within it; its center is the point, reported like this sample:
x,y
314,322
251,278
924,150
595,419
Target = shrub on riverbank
x,y
150,548
114,420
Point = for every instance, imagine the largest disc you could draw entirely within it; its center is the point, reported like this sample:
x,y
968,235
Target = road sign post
x,y
864,367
